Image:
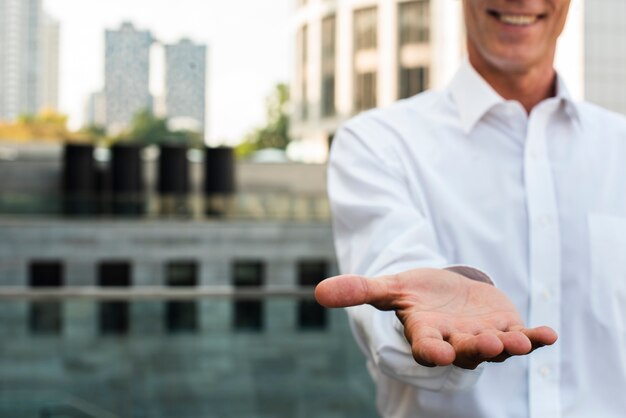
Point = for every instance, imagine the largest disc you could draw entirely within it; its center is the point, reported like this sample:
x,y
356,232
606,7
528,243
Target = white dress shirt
x,y
538,202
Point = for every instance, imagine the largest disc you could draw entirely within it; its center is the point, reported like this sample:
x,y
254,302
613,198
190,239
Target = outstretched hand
x,y
447,318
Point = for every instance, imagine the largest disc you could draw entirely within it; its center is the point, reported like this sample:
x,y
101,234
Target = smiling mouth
x,y
516,19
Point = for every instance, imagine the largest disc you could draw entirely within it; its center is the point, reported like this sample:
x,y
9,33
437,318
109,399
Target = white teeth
x,y
519,20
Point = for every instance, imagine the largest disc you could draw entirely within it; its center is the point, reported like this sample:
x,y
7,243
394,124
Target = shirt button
x,y
546,294
544,371
544,220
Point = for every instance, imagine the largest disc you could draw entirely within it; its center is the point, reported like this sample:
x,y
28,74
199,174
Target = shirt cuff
x,y
471,273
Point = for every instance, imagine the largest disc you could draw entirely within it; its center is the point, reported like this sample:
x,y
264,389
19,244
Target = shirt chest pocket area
x,y
607,240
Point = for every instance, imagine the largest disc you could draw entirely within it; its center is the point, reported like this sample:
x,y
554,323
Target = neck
x,y
529,86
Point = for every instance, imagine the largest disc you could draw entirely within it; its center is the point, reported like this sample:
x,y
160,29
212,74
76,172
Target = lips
x,y
516,19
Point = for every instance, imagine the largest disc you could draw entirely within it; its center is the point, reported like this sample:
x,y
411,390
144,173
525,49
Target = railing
x,y
216,369
14,293
240,206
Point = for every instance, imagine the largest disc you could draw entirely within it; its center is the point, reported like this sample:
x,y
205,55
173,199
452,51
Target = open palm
x,y
447,318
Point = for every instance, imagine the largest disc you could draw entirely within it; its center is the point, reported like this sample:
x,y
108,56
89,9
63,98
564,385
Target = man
x,y
501,173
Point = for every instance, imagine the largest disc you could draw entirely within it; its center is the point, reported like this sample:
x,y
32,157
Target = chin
x,y
513,61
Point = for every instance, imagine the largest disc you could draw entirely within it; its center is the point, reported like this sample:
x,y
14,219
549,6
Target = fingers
x,y
515,343
431,352
471,350
431,348
428,346
540,336
351,290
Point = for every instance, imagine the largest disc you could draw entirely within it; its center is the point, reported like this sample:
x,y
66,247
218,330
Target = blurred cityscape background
x,y
163,212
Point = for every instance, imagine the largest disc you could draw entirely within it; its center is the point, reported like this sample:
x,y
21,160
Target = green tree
x,y
93,133
47,125
147,129
275,133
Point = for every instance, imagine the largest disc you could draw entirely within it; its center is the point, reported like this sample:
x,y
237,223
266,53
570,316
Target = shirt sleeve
x,y
381,226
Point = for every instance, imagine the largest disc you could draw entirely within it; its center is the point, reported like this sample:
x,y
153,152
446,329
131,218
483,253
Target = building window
x,y
181,316
45,317
365,67
365,28
114,316
328,65
412,81
414,21
248,314
329,139
311,316
328,95
365,91
303,63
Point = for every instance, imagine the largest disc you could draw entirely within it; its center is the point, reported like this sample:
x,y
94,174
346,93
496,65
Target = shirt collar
x,y
475,97
569,105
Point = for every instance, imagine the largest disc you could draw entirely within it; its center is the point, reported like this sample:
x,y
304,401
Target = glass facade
x,y
366,28
328,65
412,81
310,314
248,314
413,34
303,59
365,45
114,316
365,91
45,317
181,316
414,22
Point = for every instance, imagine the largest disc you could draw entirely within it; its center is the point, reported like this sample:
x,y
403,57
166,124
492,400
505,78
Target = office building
x,y
127,75
29,59
605,53
355,55
185,85
50,41
95,109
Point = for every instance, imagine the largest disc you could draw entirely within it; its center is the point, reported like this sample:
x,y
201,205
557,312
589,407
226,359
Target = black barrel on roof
x,y
79,180
219,180
127,183
173,175
219,170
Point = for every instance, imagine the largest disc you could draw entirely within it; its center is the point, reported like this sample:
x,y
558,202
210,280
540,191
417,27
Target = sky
x,y
249,47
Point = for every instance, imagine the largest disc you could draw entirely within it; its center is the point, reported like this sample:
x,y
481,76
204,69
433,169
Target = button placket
x,y
544,258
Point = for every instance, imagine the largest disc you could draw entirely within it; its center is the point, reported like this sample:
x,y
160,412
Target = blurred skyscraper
x,y
50,39
95,110
127,75
29,58
605,53
185,85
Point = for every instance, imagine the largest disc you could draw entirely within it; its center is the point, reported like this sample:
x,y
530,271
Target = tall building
x,y
605,53
127,75
50,40
352,55
95,109
185,85
29,50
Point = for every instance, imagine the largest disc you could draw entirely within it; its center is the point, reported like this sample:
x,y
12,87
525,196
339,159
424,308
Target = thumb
x,y
351,290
